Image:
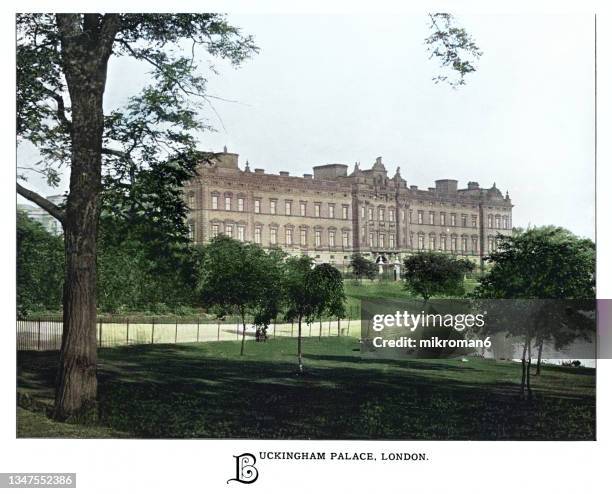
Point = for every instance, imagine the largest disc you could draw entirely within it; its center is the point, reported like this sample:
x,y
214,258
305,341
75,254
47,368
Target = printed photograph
x,y
283,226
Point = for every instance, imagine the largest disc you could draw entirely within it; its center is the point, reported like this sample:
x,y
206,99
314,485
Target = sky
x,y
347,88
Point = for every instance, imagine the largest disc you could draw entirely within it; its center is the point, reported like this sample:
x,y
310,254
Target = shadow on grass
x,y
409,363
181,391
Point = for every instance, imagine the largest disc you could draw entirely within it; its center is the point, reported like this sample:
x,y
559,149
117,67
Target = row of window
x,y
444,219
450,243
239,234
493,221
273,207
381,214
453,243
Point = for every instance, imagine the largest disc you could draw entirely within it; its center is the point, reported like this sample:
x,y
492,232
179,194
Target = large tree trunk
x,y
77,384
86,47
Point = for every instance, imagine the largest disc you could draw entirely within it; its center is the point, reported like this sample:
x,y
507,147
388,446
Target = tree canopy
x,y
430,274
156,124
242,278
40,267
538,268
362,267
309,291
546,263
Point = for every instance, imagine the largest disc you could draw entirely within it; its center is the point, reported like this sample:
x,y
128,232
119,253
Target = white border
x,y
204,466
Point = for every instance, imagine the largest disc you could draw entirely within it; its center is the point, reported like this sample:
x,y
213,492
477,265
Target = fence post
x,y
218,330
320,328
274,329
127,330
309,329
237,328
292,328
198,334
329,328
39,334
100,333
176,331
338,326
152,330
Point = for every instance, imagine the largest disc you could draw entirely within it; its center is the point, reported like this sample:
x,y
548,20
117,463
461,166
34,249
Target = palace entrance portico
x,y
388,261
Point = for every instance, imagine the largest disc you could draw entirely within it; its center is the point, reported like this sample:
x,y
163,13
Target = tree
x,y
66,56
40,267
310,291
545,263
430,274
145,258
242,278
362,267
132,274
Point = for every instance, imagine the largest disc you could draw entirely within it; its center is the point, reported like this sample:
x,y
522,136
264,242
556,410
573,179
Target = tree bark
x,y
300,344
540,347
243,333
86,46
529,369
523,367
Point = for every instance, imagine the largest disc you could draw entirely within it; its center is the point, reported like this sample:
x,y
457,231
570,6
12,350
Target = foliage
x,y
238,277
156,124
538,268
312,290
134,274
362,267
309,291
453,47
145,256
541,263
431,274
40,267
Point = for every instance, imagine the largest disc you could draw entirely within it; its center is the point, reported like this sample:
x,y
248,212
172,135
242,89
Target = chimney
x,y
330,172
283,174
446,186
259,170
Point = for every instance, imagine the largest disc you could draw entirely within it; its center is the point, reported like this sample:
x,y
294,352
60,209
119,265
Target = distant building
x,y
332,214
36,213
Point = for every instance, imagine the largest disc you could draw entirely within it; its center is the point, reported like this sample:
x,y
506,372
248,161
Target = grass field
x,y
357,291
208,390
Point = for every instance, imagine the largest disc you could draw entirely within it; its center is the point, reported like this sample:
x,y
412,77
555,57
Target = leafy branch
x,y
454,48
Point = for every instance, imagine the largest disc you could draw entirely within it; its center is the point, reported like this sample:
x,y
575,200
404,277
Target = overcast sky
x,y
340,89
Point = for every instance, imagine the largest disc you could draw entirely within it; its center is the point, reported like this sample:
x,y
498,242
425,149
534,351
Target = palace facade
x,y
331,214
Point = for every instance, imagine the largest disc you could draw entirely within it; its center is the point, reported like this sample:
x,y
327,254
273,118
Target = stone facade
x,y
331,214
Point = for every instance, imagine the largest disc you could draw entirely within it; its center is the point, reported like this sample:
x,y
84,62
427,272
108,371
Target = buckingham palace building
x,y
331,213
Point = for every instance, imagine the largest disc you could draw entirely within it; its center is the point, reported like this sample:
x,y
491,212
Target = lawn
x,y
207,390
357,291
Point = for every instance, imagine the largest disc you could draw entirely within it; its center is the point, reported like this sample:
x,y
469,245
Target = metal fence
x,y
46,333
